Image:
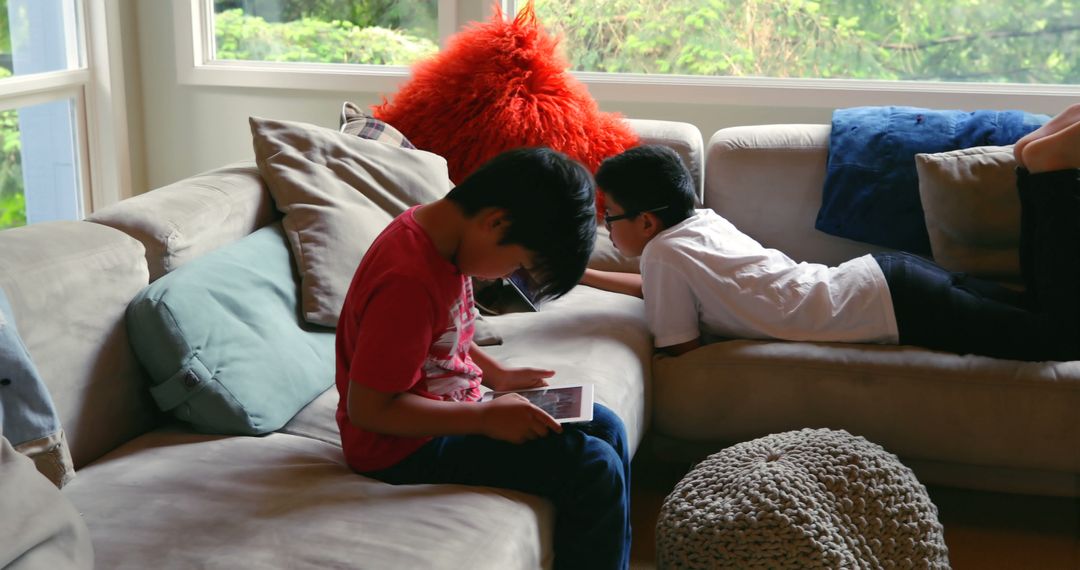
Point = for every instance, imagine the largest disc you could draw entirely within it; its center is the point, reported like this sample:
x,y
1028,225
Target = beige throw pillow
x,y
338,192
972,210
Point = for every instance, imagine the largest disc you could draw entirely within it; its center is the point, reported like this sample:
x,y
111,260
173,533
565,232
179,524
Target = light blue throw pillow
x,y
224,342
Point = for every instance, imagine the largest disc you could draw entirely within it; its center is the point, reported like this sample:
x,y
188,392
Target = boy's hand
x,y
502,379
513,418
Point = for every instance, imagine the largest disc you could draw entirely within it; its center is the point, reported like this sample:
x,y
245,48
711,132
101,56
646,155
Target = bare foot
x,y
1059,122
1057,151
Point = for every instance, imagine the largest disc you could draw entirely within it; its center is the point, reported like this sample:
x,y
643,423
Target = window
x,y
1006,41
40,179
63,114
320,44
755,53
369,32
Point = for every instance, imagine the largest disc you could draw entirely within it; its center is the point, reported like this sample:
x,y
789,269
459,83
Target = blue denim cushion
x,y
224,342
871,191
26,408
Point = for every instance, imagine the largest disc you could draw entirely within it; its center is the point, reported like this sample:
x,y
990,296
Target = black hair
x,y
649,177
550,201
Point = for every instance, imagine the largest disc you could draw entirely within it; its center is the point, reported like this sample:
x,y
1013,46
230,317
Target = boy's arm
x,y
625,283
392,343
409,415
509,418
500,378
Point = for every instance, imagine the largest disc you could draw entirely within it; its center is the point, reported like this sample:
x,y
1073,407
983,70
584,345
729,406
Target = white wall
x,y
130,48
190,129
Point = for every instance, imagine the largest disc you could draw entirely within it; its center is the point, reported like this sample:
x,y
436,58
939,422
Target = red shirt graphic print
x,y
448,372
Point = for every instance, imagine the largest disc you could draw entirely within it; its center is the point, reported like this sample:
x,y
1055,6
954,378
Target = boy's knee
x,y
606,420
602,465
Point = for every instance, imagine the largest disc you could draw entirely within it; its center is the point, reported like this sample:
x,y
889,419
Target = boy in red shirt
x,y
409,375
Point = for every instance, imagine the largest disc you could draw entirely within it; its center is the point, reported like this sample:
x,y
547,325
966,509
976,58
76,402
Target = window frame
x,y
51,87
96,89
194,40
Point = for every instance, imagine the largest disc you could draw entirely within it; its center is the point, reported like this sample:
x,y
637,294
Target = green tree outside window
x,y
12,196
1002,41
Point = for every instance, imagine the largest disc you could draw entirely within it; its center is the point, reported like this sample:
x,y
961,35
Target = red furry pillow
x,y
501,85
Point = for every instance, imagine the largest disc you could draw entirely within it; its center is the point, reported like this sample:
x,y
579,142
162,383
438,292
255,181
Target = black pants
x,y
957,313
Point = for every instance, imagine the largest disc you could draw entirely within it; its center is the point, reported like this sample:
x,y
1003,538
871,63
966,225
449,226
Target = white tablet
x,y
567,404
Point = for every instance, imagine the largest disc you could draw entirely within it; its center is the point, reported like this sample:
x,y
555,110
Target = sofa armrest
x,y
181,221
768,181
69,284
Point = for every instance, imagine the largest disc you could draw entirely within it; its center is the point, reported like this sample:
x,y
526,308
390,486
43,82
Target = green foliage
x,y
5,28
12,210
243,37
934,40
1016,41
416,17
12,197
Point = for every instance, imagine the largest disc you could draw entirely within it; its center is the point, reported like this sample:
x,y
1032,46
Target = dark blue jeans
x,y
585,472
958,313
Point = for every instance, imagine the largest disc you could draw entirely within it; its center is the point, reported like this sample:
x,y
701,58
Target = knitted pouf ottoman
x,y
813,498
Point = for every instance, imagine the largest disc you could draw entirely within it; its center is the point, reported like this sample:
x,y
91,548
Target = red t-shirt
x,y
406,326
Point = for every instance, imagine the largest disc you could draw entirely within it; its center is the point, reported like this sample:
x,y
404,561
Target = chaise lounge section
x,y
964,421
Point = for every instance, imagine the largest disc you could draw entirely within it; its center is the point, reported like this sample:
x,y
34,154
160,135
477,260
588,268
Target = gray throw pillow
x,y
972,210
338,192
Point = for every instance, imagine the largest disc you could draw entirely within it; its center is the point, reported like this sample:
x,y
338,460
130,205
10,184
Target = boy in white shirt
x,y
702,277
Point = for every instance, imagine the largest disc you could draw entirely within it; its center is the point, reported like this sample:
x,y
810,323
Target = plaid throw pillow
x,y
353,121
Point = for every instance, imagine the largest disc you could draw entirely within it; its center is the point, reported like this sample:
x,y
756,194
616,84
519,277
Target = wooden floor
x,y
983,531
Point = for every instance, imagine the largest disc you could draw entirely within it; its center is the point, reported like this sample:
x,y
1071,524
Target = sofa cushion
x,y
768,181
500,85
223,343
972,210
69,284
28,418
606,257
1014,414
338,192
587,336
180,222
684,138
182,500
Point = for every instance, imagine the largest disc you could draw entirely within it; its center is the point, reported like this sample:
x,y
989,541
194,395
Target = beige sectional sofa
x,y
967,421
156,494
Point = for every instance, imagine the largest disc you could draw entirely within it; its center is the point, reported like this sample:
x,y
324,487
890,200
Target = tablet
x,y
567,404
512,294
522,282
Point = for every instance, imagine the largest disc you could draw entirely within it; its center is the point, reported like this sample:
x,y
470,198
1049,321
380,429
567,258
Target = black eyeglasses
x,y
627,215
